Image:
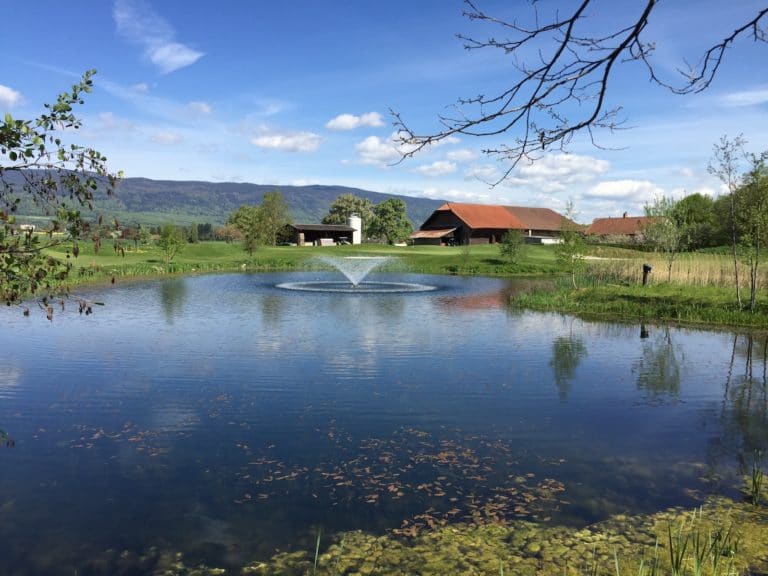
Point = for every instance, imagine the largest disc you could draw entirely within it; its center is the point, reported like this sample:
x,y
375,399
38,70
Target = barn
x,y
456,223
624,230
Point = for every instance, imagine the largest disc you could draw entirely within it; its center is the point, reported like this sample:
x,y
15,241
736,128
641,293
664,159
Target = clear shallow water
x,y
223,417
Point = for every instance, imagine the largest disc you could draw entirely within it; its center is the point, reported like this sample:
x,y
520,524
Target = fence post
x,y
646,270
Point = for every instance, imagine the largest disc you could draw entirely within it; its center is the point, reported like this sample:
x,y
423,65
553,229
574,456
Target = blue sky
x,y
300,92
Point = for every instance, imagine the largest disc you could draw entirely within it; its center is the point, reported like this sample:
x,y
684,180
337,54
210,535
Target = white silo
x,y
356,223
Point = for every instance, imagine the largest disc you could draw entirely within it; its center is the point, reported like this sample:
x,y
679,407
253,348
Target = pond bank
x,y
722,537
680,303
699,306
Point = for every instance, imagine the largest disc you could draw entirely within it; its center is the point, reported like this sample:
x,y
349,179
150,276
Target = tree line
x,y
268,223
737,218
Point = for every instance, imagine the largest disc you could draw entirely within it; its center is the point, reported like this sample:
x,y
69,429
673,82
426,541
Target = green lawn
x,y
219,256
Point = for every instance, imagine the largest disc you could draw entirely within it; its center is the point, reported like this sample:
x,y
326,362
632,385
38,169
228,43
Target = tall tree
x,y
172,241
569,253
752,220
194,234
561,72
347,204
274,217
662,231
725,163
695,214
37,167
512,246
391,221
247,220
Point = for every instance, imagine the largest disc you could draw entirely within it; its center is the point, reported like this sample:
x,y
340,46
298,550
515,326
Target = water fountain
x,y
355,269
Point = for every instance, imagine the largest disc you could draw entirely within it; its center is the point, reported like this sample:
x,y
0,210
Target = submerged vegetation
x,y
721,538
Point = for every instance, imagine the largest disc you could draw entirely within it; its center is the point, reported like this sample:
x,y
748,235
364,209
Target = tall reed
x,y
757,478
690,269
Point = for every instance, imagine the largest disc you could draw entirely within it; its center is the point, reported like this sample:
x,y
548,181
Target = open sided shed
x,y
320,234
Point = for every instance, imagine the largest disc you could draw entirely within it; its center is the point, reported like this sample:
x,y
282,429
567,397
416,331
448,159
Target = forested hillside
x,y
148,201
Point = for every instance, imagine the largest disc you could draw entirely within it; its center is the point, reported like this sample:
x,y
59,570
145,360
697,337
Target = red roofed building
x,y
626,228
459,223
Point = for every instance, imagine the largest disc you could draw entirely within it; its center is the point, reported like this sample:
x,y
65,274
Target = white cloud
x,y
456,195
378,151
269,107
704,191
298,142
166,138
384,152
173,56
438,168
350,121
463,155
141,88
9,97
199,108
555,173
639,191
564,168
746,98
138,22
484,172
114,123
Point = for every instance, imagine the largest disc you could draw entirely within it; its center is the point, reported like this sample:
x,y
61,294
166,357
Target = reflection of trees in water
x,y
658,369
356,307
744,410
567,352
272,307
745,399
173,295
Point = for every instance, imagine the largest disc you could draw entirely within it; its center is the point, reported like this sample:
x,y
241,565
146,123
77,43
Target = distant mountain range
x,y
146,201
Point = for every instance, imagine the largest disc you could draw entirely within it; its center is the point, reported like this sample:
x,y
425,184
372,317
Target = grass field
x,y
218,256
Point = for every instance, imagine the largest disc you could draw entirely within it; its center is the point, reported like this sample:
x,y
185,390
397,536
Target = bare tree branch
x,y
563,80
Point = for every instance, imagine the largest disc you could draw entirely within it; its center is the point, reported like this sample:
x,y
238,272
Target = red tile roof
x,y
505,217
624,226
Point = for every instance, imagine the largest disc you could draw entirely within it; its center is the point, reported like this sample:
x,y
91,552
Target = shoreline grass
x,y
669,303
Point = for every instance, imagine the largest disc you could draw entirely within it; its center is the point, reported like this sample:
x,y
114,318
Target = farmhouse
x,y
458,223
619,230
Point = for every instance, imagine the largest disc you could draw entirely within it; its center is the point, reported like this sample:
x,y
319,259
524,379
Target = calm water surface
x,y
225,418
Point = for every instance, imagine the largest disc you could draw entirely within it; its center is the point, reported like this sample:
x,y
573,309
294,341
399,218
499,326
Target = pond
x,y
226,418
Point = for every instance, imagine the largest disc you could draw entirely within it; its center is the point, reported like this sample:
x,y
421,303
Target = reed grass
x,y
690,269
694,548
756,478
317,552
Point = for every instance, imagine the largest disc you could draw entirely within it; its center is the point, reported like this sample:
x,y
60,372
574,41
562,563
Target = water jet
x,y
356,269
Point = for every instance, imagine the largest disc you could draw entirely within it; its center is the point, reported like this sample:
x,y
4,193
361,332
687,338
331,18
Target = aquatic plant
x,y
756,478
678,546
692,545
6,440
317,551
